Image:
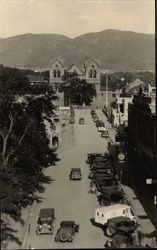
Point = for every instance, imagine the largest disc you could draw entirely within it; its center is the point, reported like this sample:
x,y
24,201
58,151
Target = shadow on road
x,y
95,224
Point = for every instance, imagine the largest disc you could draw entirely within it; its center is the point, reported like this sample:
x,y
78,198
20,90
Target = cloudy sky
x,y
75,17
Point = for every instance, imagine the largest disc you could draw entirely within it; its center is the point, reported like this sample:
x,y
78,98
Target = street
x,y
70,199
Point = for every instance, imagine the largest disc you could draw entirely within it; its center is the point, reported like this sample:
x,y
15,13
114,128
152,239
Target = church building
x,y
89,72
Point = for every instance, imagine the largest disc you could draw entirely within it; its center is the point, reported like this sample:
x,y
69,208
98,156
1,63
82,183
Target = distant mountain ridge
x,y
118,50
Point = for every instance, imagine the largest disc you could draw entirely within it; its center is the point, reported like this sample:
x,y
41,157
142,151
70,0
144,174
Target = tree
x,y
76,90
24,146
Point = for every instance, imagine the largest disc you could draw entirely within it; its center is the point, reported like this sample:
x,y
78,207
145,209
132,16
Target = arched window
x,y
90,74
54,73
59,73
94,74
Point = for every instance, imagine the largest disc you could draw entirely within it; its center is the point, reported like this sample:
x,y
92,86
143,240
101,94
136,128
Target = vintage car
x,y
45,221
107,171
121,225
67,231
75,174
105,134
101,129
81,121
92,156
72,121
110,195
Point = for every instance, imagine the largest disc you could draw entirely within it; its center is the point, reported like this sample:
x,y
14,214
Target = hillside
x,y
116,49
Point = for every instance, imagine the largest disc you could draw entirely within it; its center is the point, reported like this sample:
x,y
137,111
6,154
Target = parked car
x,y
100,123
110,195
105,134
75,174
92,156
101,129
67,231
72,121
45,221
81,121
121,225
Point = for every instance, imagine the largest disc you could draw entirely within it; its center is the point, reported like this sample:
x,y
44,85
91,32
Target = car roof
x,y
112,208
75,169
46,212
69,223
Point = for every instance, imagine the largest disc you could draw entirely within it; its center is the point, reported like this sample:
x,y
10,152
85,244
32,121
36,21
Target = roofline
x,y
56,59
94,61
75,66
108,208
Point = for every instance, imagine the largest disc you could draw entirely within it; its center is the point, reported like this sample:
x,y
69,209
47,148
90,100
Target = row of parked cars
x,y
99,124
115,214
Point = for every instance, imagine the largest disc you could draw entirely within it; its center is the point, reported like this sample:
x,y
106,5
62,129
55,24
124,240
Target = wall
x,y
141,132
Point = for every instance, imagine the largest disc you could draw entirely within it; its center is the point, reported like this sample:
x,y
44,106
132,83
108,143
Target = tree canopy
x,y
24,145
77,91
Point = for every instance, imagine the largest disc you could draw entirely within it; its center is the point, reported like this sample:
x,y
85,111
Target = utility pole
x,y
106,89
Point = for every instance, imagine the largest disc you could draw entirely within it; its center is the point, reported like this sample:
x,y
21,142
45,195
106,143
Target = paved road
x,y
69,198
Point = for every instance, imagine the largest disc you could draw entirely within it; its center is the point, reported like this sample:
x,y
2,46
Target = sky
x,y
75,17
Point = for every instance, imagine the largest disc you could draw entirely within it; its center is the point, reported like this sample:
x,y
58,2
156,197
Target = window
x,y
113,95
54,73
123,211
97,213
102,94
94,73
58,73
102,215
90,74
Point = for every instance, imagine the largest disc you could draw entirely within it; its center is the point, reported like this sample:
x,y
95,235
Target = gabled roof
x,y
89,60
59,60
73,65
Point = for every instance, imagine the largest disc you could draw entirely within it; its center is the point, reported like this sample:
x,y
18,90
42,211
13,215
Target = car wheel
x,y
123,245
70,239
63,237
110,231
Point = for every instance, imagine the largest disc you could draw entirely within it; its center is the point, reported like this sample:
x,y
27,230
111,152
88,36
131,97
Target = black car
x,y
105,134
81,121
75,174
121,225
92,156
67,231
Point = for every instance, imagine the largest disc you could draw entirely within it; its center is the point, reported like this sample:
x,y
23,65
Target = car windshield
x,y
45,220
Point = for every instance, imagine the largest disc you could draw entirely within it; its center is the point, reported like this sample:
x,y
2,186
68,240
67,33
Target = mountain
x,y
116,49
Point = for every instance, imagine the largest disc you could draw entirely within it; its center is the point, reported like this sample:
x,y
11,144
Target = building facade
x,y
142,134
90,70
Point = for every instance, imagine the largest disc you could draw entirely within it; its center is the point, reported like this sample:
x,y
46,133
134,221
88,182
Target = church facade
x,y
89,72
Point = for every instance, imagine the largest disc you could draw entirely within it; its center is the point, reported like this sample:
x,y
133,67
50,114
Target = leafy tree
x,y
24,146
76,90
